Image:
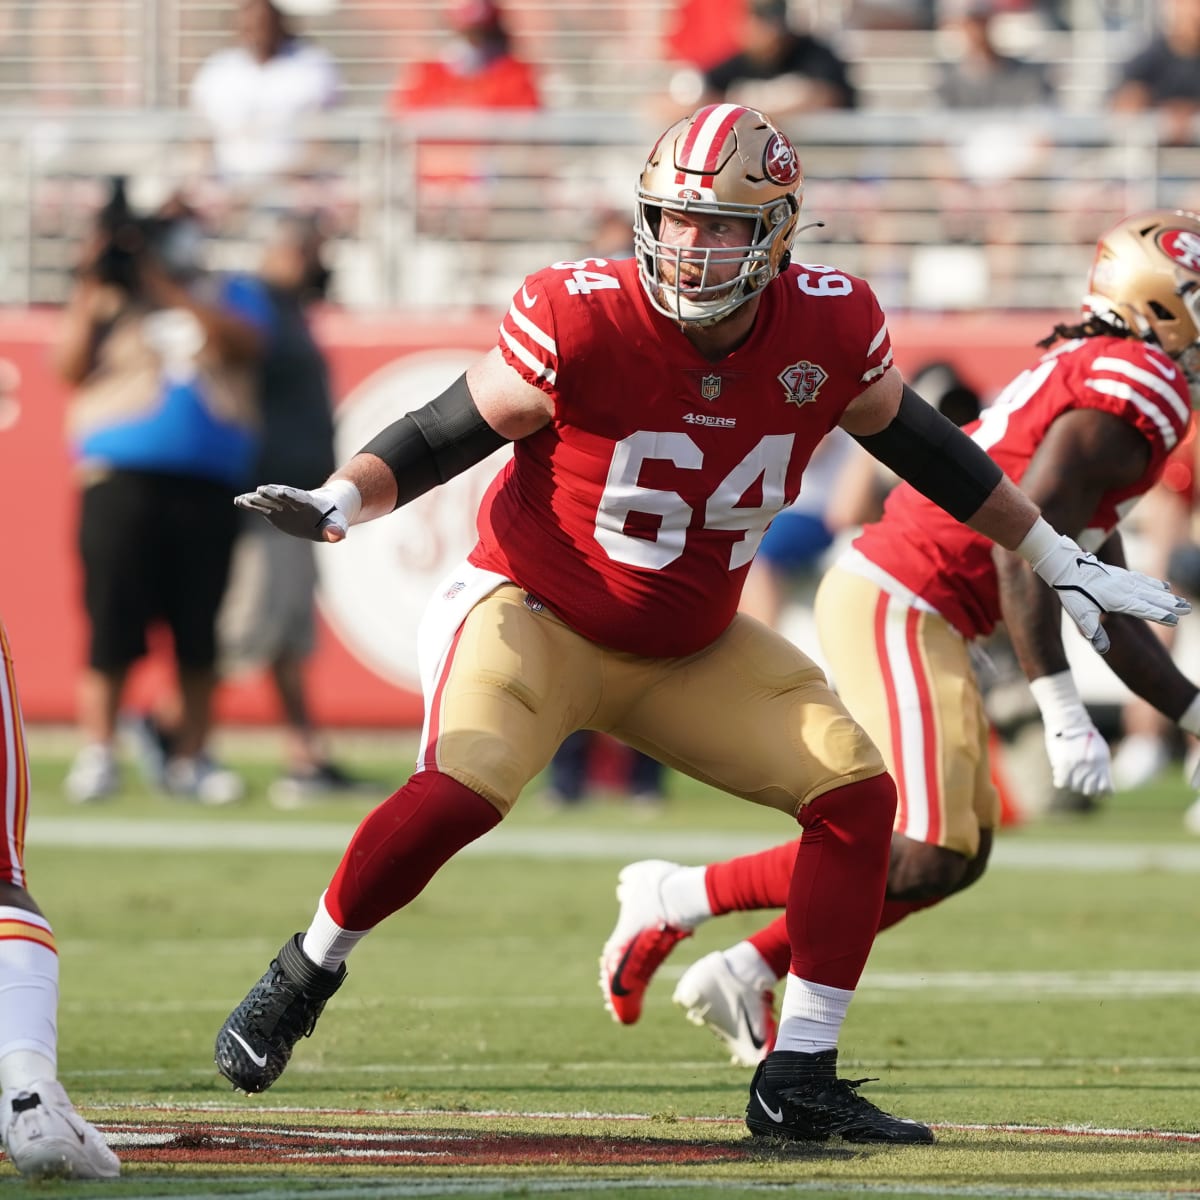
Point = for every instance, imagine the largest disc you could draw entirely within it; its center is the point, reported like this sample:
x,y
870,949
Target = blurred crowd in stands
x,y
254,78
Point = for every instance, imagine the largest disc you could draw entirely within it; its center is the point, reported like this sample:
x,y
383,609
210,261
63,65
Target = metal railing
x,y
938,211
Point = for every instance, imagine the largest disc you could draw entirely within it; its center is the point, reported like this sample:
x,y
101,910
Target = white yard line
x,y
229,837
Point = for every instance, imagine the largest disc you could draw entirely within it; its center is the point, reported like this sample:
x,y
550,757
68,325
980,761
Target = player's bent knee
x,y
487,764
918,871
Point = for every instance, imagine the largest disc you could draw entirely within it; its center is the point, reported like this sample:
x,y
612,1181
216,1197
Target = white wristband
x,y
1038,542
1059,703
345,495
1190,721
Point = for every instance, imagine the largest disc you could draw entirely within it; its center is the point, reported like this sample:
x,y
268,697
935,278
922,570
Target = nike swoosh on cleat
x,y
259,1060
614,984
776,1116
755,1040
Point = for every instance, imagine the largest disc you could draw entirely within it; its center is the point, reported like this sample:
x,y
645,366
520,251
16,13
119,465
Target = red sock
x,y
400,845
753,881
897,910
773,944
838,885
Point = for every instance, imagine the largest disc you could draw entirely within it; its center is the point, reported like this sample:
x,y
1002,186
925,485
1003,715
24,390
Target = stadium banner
x,y
373,587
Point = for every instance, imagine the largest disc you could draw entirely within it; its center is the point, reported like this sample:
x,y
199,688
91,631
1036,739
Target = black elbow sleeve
x,y
433,444
935,456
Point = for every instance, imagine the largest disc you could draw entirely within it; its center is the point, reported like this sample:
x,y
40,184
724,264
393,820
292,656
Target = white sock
x,y
749,966
28,999
326,943
811,1015
685,898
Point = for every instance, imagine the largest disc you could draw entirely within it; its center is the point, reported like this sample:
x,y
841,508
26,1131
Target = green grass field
x,y
1045,1021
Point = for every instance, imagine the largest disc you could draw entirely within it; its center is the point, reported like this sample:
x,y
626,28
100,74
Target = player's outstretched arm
x,y
478,413
933,455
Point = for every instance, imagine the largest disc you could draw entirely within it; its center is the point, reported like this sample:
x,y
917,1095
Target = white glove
x,y
332,506
1079,755
1080,760
1089,588
1190,723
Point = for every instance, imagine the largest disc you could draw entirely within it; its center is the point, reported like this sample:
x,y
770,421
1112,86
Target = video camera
x,y
129,240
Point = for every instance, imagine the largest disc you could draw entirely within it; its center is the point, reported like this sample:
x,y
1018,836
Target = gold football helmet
x,y
1146,278
728,160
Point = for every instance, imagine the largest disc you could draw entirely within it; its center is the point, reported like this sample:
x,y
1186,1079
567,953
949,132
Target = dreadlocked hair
x,y
1094,326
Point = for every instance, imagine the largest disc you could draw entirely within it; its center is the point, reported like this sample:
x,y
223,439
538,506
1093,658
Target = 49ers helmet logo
x,y
780,162
1181,246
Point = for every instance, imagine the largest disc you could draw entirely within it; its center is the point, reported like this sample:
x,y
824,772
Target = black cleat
x,y
799,1098
256,1041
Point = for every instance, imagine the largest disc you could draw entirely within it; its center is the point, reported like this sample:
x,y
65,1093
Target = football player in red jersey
x,y
662,410
1086,431
40,1130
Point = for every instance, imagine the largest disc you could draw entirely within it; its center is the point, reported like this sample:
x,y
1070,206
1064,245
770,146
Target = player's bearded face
x,y
703,253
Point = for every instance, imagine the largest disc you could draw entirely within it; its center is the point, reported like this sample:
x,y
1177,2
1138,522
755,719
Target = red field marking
x,y
208,1111
254,1145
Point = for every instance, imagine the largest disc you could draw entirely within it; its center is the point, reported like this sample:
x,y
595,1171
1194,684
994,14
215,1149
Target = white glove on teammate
x,y
1190,723
303,514
1079,755
1089,588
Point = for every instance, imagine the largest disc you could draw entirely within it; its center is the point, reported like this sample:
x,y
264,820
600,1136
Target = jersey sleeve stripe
x,y
1159,386
877,340
1125,391
875,372
534,332
540,369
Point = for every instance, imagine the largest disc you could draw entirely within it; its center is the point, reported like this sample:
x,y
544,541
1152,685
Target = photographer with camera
x,y
163,427
268,619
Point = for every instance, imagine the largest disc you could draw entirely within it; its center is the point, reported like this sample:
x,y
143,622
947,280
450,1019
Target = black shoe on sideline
x,y
799,1098
256,1041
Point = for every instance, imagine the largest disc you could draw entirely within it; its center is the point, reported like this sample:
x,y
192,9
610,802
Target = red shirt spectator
x,y
478,70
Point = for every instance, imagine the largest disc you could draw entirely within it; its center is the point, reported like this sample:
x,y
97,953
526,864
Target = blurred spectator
x,y
779,69
981,76
1000,140
254,97
612,235
477,71
587,760
162,427
1164,77
268,618
702,32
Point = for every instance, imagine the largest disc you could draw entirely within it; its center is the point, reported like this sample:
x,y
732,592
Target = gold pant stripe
x,y
906,675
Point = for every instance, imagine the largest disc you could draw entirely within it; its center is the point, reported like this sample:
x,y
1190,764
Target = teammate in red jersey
x,y
1086,431
662,410
41,1132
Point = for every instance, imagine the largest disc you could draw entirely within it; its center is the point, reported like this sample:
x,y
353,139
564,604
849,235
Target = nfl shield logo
x,y
710,387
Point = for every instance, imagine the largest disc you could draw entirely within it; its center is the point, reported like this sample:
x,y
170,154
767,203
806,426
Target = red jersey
x,y
505,82
950,566
635,512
